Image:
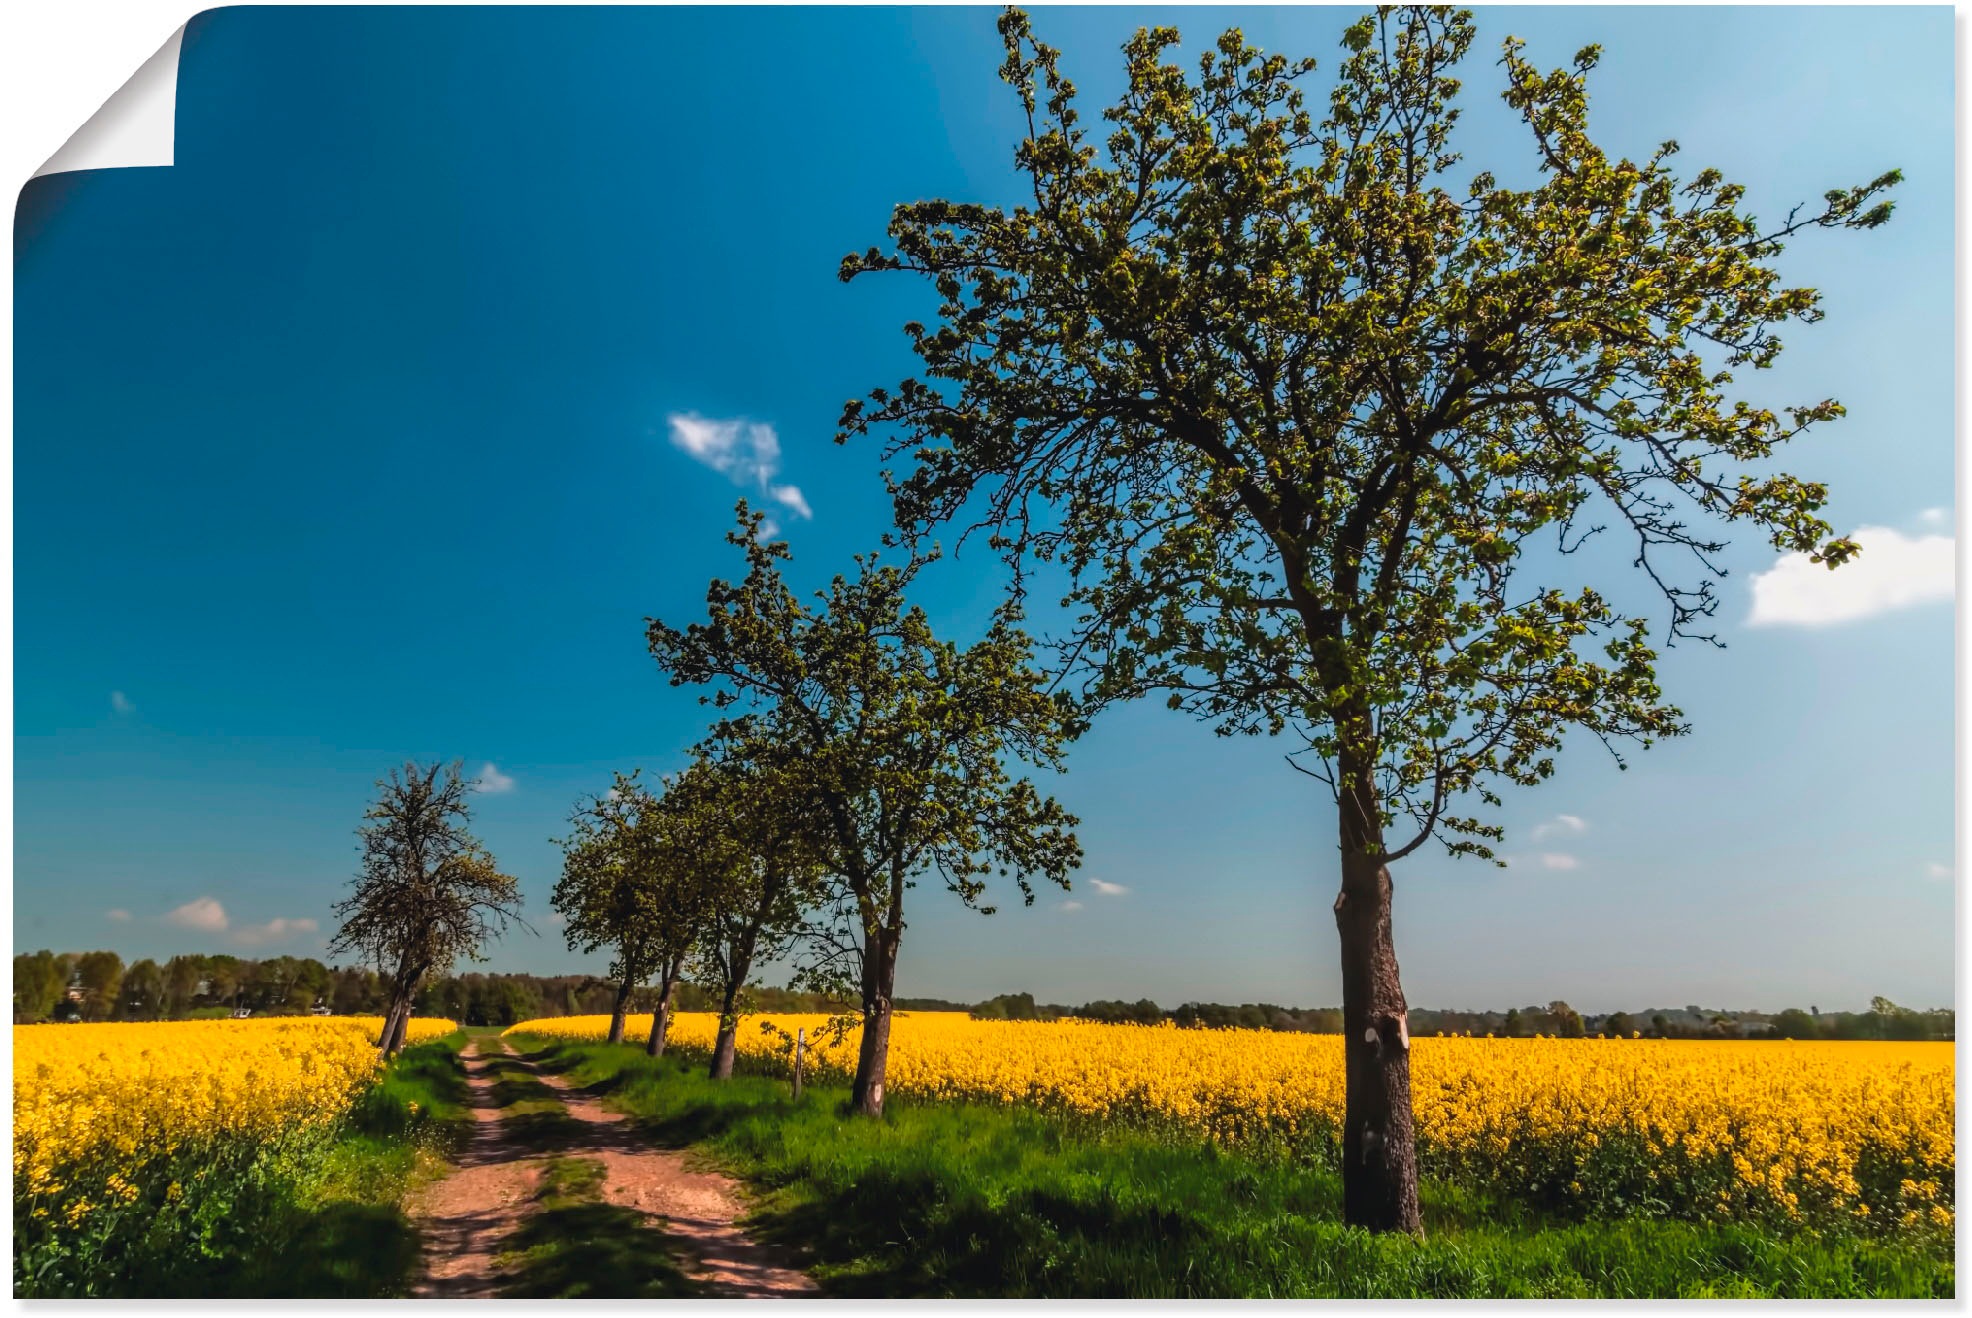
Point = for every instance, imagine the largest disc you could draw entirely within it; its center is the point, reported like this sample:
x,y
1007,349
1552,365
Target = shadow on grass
x,y
338,1251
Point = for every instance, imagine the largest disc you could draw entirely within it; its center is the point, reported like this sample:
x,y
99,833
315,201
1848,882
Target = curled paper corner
x,y
136,127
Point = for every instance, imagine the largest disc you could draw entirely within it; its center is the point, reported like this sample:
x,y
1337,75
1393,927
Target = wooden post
x,y
800,1046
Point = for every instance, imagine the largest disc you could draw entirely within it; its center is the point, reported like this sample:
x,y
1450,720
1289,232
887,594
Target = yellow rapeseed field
x,y
1773,1131
103,1100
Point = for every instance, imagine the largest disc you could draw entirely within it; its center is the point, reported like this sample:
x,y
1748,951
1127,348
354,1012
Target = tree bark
x,y
389,1024
660,1021
394,1036
1379,1146
873,1060
621,1010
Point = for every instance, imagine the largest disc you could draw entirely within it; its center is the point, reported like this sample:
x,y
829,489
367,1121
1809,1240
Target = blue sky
x,y
348,439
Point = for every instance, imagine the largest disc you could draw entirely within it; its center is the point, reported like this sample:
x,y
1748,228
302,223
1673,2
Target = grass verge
x,y
964,1200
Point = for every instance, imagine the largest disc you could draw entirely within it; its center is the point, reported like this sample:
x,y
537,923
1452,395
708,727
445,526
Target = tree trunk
x,y
389,1024
394,1040
621,1010
660,1021
1379,1147
738,965
873,1060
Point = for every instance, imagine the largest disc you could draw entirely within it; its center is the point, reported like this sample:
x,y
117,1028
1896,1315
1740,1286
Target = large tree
x,y
1291,410
428,893
901,740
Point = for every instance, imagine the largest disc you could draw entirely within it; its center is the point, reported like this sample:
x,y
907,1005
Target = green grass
x,y
571,1245
315,1215
964,1200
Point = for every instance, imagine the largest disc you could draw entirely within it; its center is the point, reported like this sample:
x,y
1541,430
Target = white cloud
x,y
118,914
791,498
769,528
1560,826
1558,860
1071,906
1108,889
744,452
557,919
1936,516
273,931
202,913
491,781
121,703
1893,571
1936,871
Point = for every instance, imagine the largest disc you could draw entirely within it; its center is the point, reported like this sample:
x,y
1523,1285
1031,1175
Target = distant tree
x,y
39,981
608,892
182,977
100,977
353,990
1794,1023
142,996
903,740
1659,1025
1008,1007
772,870
427,893
1289,403
1512,1027
638,874
1567,1021
1618,1025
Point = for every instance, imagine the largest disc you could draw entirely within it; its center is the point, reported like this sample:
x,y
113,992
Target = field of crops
x,y
1823,1135
113,1119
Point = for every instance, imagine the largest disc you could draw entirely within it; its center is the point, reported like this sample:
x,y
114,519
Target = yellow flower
x,y
1819,1131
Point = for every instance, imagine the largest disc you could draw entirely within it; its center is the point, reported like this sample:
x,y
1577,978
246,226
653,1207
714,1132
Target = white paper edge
x,y
136,127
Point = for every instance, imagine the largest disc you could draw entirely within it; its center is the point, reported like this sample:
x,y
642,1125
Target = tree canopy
x,y
902,741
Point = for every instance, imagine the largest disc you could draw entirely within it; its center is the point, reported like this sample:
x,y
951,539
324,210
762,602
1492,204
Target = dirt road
x,y
470,1216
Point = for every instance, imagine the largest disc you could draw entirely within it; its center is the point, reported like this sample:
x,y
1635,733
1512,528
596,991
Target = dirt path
x,y
697,1208
469,1215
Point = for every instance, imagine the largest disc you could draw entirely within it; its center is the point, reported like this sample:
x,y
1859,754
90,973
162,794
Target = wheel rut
x,y
469,1217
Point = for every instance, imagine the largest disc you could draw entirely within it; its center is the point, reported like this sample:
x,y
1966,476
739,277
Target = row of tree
x,y
854,754
1884,1020
98,986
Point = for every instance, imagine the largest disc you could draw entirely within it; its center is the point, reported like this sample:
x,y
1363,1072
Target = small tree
x,y
427,893
1289,404
774,871
901,740
634,883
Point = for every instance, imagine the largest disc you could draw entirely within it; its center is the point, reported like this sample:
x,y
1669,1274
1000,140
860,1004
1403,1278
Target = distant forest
x,y
98,986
